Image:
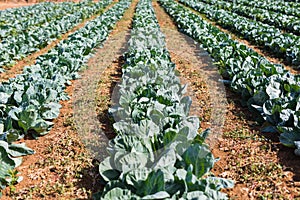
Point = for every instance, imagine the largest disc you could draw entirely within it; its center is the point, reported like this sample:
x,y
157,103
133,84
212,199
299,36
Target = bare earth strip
x,y
94,92
259,164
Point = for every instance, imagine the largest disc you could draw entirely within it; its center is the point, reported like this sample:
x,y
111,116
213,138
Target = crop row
x,y
20,19
279,20
19,14
16,46
291,8
265,87
30,101
292,1
157,153
284,45
279,3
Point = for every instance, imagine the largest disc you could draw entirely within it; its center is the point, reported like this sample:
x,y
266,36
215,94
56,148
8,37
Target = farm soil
x,y
65,167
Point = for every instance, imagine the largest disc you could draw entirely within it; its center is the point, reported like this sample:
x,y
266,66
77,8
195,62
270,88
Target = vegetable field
x,y
141,99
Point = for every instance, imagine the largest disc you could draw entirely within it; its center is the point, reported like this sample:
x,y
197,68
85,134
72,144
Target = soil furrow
x,y
92,98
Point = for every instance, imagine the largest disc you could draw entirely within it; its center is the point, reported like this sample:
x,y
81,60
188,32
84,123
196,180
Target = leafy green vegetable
x,y
264,87
30,101
35,27
283,45
266,13
157,153
9,159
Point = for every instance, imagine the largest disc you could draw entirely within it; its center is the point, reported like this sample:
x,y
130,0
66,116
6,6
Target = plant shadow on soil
x,y
91,179
286,156
104,117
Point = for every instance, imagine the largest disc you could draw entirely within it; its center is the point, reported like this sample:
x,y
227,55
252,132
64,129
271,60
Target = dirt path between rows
x,y
92,98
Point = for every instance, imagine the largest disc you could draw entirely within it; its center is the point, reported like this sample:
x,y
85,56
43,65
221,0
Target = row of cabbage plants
x,y
289,8
8,16
20,19
282,21
30,101
23,19
265,87
158,152
17,46
279,3
292,1
283,45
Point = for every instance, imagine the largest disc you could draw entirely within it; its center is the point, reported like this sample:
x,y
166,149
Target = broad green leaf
x,y
147,128
200,157
156,116
119,194
153,184
158,195
220,183
7,165
41,127
132,160
136,176
4,97
197,195
187,102
166,158
17,150
107,172
288,138
1,129
297,150
50,110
